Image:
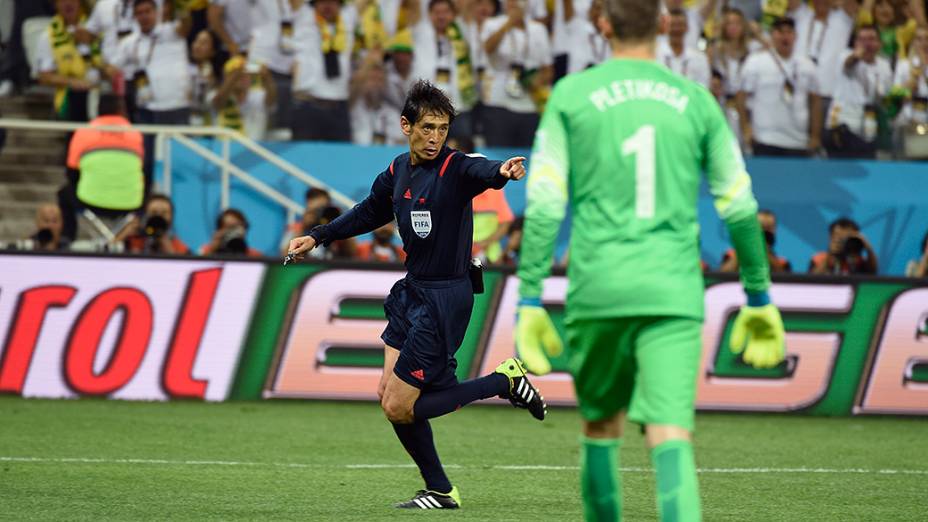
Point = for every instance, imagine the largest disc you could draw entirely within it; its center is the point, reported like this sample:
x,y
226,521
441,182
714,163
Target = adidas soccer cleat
x,y
521,392
425,499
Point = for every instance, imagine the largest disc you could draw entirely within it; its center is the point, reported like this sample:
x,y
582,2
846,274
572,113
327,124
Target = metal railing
x,y
164,134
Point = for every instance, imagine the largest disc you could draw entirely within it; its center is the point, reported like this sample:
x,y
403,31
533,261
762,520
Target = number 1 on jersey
x,y
641,144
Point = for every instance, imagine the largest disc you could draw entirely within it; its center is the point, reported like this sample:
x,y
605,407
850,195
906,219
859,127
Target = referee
x,y
429,191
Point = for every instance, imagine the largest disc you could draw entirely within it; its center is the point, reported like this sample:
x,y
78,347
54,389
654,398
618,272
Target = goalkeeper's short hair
x,y
633,20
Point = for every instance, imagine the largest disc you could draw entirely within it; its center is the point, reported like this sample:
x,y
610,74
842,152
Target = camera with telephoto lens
x,y
233,241
770,238
44,237
852,247
155,227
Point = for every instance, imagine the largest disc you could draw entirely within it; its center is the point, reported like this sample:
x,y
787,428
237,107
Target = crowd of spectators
x,y
843,78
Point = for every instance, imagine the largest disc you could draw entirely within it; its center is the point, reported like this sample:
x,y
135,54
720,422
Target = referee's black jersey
x,y
432,205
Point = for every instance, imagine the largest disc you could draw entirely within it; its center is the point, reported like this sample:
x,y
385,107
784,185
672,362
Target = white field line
x,y
163,462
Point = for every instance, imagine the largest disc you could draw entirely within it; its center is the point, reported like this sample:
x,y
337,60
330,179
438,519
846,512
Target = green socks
x,y
677,488
599,479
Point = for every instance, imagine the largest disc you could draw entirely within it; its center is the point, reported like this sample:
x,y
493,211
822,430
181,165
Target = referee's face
x,y
427,136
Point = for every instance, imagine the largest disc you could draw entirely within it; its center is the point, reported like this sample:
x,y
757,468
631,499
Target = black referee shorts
x,y
426,321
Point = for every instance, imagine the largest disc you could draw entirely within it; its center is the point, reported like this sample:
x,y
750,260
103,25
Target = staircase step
x,y
28,113
28,192
45,174
15,228
17,210
28,101
22,155
36,139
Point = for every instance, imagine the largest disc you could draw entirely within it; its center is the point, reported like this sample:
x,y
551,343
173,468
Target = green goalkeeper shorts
x,y
646,365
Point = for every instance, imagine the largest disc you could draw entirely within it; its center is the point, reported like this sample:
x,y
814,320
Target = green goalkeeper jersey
x,y
627,141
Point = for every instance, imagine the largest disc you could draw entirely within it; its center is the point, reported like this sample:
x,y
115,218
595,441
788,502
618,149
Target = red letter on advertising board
x,y
177,378
22,337
131,343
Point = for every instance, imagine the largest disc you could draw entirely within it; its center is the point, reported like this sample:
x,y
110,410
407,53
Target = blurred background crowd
x,y
829,78
843,78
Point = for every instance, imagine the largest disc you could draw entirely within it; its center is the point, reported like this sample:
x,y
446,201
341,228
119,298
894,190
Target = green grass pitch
x,y
110,460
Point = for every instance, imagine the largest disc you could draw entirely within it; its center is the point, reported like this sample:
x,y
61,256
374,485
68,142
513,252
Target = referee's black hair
x,y
424,98
137,3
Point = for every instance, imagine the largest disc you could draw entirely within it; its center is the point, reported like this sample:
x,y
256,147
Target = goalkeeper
x,y
627,140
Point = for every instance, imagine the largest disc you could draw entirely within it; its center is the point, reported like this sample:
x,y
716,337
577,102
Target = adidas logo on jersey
x,y
418,374
407,195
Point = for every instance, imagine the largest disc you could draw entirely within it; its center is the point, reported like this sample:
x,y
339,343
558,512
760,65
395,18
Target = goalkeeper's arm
x,y
536,337
758,329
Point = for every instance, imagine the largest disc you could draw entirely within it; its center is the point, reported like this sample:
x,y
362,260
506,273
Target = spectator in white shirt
x,y
863,78
65,63
557,15
153,59
729,53
519,72
824,36
443,57
113,20
588,47
728,56
680,59
696,17
912,73
322,71
785,119
374,121
231,21
204,77
272,33
245,98
473,15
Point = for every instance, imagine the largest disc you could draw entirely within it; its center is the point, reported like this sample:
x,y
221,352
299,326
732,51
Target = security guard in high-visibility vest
x,y
106,166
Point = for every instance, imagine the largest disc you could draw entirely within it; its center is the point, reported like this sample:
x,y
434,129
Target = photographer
x,y
919,267
48,224
338,249
316,199
862,79
849,252
151,233
768,223
382,248
229,238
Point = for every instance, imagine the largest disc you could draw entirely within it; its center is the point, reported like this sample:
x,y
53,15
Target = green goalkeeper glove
x,y
536,337
758,332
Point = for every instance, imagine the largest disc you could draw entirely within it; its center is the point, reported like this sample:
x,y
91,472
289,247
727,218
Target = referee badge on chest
x,y
421,222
